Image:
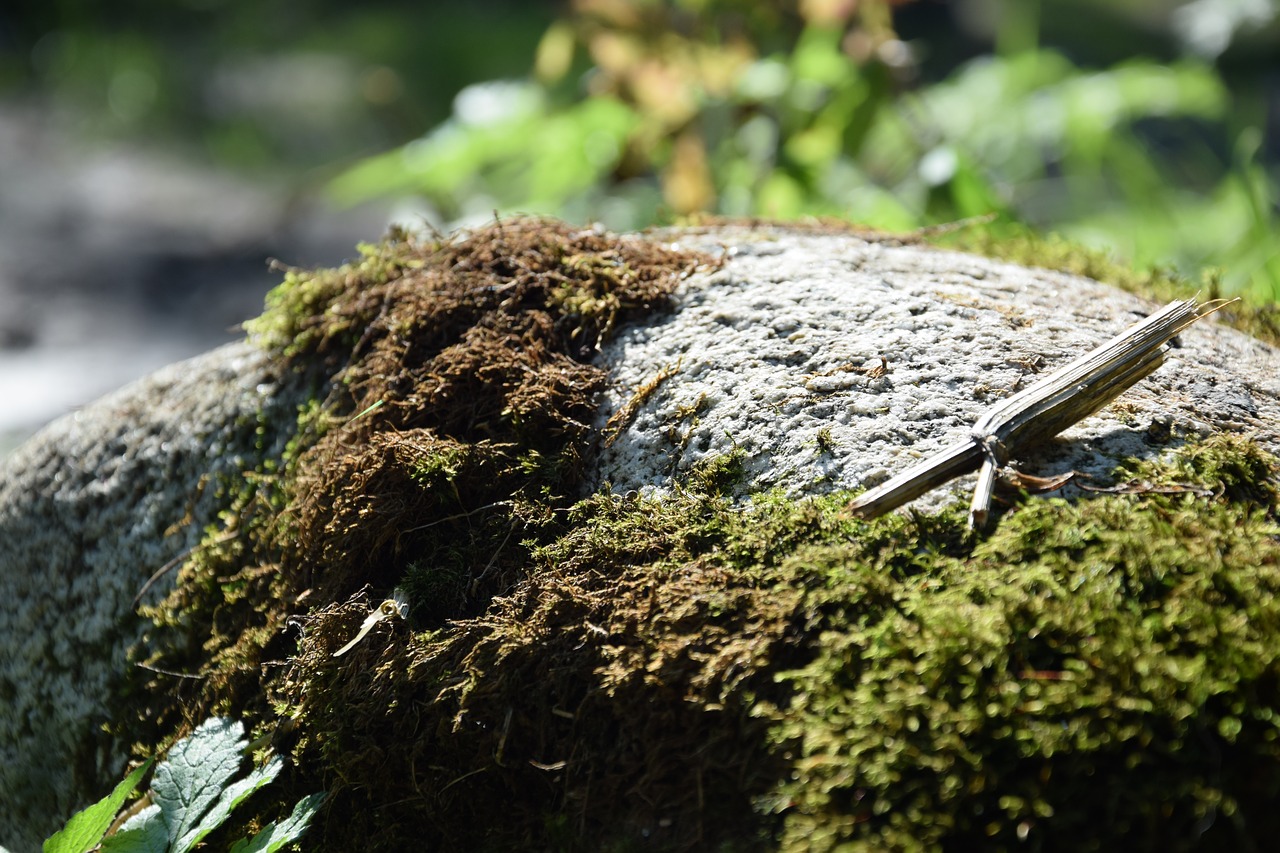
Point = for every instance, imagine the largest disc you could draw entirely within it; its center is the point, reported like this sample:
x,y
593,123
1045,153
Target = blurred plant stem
x,y
1258,253
1019,27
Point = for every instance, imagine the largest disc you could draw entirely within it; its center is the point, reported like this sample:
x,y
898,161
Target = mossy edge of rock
x,y
459,388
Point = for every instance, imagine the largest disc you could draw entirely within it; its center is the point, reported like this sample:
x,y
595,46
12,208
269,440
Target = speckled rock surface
x,y
89,509
836,362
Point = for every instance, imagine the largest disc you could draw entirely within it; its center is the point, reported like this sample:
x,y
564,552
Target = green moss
x,y
1098,676
1235,469
717,475
437,589
315,311
1093,675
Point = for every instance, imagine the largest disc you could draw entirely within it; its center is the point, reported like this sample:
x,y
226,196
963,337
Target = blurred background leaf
x,y
1150,128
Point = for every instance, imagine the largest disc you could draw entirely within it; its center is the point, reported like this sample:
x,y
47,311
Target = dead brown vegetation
x,y
455,421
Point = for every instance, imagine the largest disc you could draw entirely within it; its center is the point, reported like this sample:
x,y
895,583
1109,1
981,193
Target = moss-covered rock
x,y
688,673
713,664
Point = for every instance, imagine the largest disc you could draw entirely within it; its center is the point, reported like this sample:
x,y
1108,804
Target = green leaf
x,y
86,827
275,836
193,777
231,797
145,832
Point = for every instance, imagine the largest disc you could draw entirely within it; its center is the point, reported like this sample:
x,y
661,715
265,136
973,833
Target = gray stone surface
x,y
780,346
89,509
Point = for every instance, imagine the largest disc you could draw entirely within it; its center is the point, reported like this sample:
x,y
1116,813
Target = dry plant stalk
x,y
1036,414
622,418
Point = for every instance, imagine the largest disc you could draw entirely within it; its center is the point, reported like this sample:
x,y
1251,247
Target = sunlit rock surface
x,y
835,362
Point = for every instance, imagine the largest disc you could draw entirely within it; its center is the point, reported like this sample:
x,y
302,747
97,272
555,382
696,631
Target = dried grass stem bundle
x,y
1036,414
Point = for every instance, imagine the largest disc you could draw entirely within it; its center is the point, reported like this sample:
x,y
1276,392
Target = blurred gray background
x,y
117,258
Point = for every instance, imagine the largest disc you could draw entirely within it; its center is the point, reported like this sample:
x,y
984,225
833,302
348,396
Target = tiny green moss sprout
x,y
824,441
717,474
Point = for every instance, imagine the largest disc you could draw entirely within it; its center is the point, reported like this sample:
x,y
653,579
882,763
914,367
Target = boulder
x,y
559,643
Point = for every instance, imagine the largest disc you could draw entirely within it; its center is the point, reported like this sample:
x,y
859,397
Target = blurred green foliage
x,y
638,112
277,86
634,112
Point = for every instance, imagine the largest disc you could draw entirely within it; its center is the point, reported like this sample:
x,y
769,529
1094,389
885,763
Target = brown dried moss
x,y
454,421
475,372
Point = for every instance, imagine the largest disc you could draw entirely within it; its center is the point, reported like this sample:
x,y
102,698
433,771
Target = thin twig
x,y
149,668
225,537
